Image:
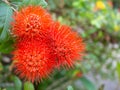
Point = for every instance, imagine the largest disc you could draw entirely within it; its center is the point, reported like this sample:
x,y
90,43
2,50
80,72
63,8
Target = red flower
x,y
42,44
32,60
30,21
65,45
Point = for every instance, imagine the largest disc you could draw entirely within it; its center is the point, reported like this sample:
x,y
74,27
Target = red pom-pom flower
x,y
65,44
31,21
32,60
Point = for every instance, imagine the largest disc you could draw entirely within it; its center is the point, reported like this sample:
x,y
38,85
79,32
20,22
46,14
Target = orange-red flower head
x,y
32,60
30,21
42,44
65,44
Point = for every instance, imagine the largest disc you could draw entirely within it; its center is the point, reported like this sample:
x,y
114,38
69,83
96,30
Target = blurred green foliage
x,y
28,86
97,21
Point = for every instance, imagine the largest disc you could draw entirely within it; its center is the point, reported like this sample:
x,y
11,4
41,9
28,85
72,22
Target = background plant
x,y
100,28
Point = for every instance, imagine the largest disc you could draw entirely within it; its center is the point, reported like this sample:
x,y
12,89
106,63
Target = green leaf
x,y
87,83
5,19
118,69
28,86
10,88
43,3
7,46
17,83
1,66
16,3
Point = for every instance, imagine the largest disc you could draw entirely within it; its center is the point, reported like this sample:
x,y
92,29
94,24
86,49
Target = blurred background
x,y
98,22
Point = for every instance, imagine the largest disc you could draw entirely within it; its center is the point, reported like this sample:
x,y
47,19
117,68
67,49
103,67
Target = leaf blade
x,y
5,19
28,86
87,83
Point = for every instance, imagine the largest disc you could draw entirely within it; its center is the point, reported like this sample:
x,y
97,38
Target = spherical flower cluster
x,y
65,44
31,21
33,61
43,44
